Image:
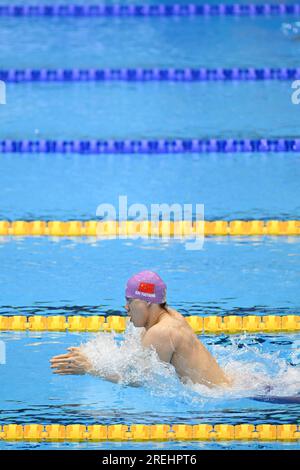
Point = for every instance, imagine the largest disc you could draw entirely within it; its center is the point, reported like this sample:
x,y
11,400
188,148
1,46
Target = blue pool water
x,y
240,276
237,275
156,42
163,399
231,186
122,110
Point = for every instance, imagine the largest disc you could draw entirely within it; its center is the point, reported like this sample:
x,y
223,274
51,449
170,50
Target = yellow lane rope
x,y
147,228
210,324
156,432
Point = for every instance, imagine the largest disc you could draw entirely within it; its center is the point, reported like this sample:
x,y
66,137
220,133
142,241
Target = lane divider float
x,y
230,324
148,229
143,75
146,432
151,146
149,10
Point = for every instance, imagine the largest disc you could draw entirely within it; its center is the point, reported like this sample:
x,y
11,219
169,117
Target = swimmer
x,y
165,330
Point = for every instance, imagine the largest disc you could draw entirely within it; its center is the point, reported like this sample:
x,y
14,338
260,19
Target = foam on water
x,y
291,30
254,373
133,364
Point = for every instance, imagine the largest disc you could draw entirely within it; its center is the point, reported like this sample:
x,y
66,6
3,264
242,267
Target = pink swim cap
x,y
147,286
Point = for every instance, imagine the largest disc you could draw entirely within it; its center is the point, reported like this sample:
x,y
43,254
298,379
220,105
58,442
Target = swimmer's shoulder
x,y
175,315
177,325
178,319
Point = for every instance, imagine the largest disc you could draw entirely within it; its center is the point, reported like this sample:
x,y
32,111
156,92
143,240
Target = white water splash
x,y
255,372
129,360
252,371
291,30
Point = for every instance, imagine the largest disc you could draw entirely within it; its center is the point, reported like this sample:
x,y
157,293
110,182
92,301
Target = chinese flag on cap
x,y
146,287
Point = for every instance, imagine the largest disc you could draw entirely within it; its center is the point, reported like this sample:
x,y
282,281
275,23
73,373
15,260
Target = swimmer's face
x,y
137,311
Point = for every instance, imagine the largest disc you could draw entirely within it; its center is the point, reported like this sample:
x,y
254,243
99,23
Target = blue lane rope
x,y
150,146
154,74
149,10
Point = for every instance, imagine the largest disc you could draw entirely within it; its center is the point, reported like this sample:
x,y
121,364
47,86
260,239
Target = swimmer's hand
x,y
76,363
73,362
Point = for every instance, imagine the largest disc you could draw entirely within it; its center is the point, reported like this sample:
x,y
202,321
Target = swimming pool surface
x,y
240,276
231,275
86,400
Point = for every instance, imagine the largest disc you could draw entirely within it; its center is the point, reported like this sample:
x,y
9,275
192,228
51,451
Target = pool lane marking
x,y
151,146
180,74
230,324
160,10
177,229
146,432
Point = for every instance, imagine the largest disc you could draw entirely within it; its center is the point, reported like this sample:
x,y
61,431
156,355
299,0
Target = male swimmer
x,y
165,330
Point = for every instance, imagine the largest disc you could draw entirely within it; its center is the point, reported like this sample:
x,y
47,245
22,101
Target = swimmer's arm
x,y
161,340
115,378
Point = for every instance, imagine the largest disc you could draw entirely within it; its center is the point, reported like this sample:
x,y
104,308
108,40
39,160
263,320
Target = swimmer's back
x,y
190,357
